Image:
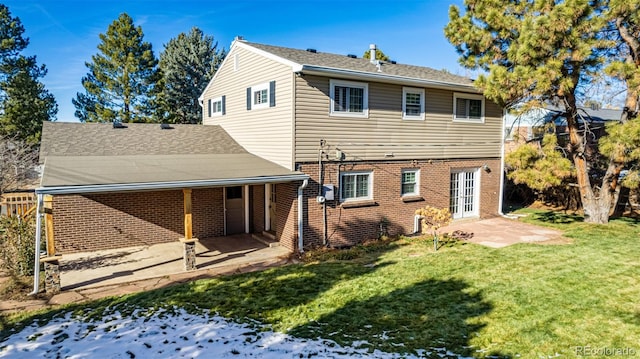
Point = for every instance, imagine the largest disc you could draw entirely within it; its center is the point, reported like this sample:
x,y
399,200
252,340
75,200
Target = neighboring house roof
x,y
540,116
322,63
95,157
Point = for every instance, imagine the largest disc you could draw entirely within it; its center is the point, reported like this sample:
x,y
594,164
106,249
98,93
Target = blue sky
x,y
64,34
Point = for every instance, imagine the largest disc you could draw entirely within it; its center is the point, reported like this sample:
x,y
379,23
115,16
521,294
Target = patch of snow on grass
x,y
171,335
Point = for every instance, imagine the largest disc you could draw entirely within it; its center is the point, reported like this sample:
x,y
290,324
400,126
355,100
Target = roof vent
x,y
165,126
313,51
352,56
372,53
118,124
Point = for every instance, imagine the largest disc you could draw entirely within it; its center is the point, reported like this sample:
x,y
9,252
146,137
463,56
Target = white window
x,y
216,106
468,107
260,96
412,103
349,98
410,182
356,186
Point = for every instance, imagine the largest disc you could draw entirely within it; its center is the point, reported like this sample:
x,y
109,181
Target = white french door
x,y
464,193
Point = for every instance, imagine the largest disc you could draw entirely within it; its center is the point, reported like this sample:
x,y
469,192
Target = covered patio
x,y
124,265
149,200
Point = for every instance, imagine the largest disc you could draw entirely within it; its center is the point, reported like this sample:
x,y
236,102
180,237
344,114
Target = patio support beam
x,y
246,209
48,224
51,261
267,206
188,241
188,224
36,265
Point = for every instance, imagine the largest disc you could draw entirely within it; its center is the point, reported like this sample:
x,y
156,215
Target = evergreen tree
x,y
24,101
537,50
122,78
187,64
379,55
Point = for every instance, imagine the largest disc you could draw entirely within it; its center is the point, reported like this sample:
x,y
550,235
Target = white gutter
x,y
301,216
146,186
36,264
383,77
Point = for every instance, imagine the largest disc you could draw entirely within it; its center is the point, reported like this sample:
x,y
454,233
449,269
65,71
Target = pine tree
x,y
536,51
24,101
187,64
379,55
122,78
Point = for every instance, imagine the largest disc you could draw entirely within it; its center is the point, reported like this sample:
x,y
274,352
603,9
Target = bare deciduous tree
x,y
18,164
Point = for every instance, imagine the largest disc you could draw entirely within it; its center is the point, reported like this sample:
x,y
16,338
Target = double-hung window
x,y
410,182
216,106
412,103
349,98
468,107
356,186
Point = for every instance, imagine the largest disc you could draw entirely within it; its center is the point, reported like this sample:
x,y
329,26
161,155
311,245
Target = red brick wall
x,y
347,226
257,208
287,214
117,220
207,212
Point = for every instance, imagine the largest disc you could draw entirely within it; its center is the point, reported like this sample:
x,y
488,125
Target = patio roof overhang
x,y
94,174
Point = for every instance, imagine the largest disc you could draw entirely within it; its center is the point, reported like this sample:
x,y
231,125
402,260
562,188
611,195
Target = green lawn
x,y
528,299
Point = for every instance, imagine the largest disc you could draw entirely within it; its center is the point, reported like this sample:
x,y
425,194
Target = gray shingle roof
x,y
323,59
84,157
141,169
101,139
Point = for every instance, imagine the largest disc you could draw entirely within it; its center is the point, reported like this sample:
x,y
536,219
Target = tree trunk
x,y
590,204
596,212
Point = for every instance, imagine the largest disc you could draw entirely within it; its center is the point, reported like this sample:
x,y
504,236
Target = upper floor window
x,y
468,107
356,186
216,106
412,103
349,98
410,182
261,96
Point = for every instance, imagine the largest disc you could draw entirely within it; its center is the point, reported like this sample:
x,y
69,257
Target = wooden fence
x,y
17,204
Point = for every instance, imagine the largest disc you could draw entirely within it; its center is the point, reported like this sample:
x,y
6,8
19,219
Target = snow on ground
x,y
164,334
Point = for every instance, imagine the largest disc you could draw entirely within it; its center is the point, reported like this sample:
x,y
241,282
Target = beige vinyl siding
x,y
385,132
266,132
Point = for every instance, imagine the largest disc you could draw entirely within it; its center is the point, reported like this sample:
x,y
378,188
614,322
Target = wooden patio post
x,y
48,223
51,261
188,240
188,224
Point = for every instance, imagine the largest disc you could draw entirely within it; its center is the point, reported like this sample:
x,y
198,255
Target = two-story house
x,y
378,139
307,147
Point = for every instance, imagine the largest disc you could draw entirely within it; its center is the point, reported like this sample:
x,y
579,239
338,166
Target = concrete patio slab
x,y
111,267
501,232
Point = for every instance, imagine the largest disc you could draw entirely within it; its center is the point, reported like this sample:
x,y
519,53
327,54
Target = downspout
x,y
320,194
36,264
301,215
